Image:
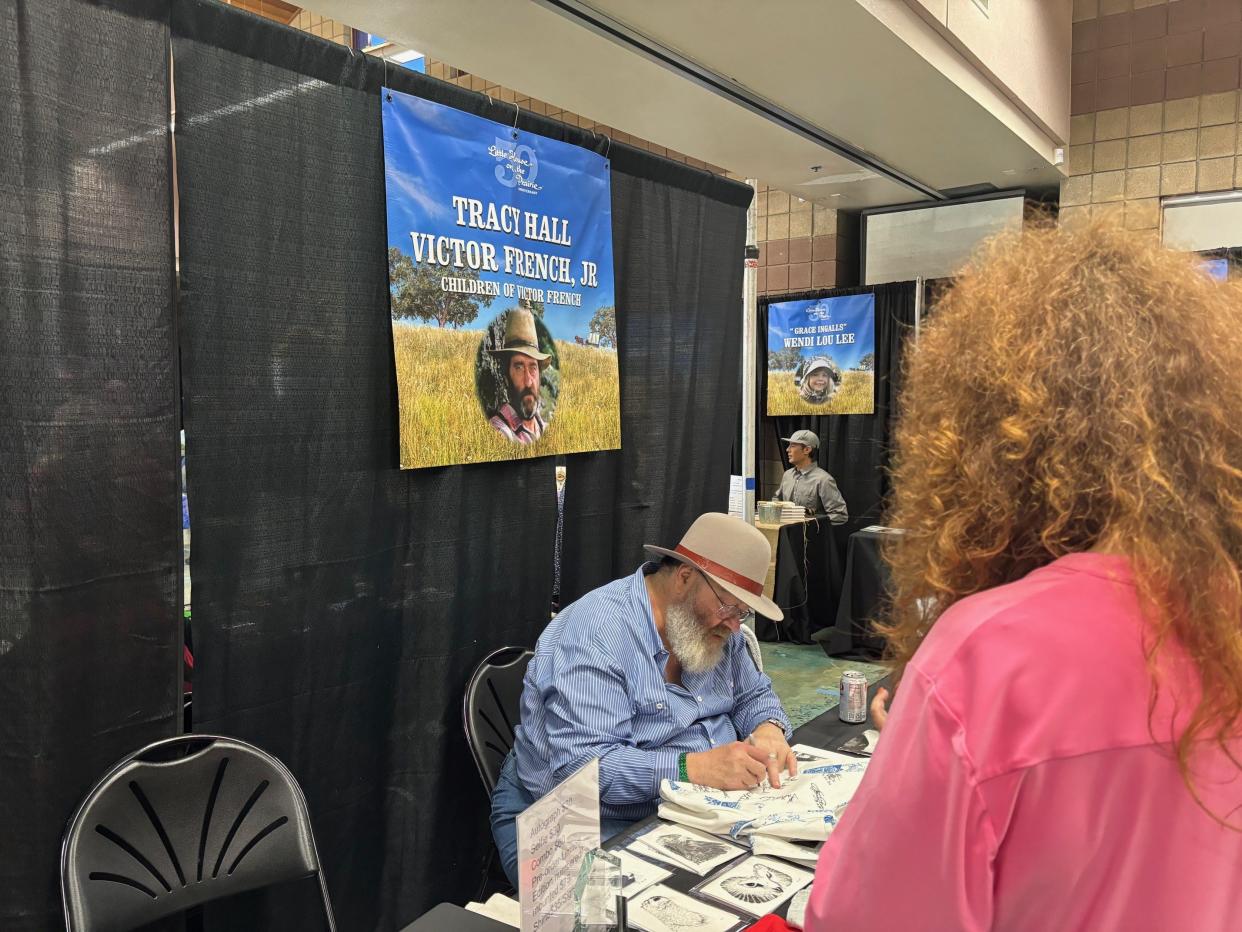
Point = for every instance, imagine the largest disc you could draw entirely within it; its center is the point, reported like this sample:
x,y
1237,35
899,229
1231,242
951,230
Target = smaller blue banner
x,y
821,356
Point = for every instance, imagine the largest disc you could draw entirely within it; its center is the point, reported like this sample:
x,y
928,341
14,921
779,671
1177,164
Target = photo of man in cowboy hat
x,y
818,380
651,674
521,363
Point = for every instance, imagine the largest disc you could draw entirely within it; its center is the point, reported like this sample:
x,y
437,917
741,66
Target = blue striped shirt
x,y
596,688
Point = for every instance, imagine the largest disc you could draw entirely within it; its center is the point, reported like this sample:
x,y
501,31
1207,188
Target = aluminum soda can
x,y
853,705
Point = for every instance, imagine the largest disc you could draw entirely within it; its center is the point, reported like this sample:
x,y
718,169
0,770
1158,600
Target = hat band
x,y
728,575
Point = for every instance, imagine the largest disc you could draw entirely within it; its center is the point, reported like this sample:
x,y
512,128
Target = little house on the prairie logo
x,y
517,166
820,312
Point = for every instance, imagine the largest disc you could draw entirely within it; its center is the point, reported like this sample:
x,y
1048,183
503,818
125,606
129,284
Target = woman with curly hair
x,y
1065,748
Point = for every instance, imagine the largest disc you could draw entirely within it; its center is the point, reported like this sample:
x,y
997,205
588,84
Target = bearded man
x,y
519,419
651,675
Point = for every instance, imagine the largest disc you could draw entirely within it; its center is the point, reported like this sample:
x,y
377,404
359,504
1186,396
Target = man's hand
x,y
777,755
735,766
879,708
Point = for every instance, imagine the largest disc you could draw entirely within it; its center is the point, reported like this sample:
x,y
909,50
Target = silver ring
x,y
772,756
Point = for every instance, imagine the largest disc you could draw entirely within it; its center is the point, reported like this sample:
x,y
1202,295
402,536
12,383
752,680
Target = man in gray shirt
x,y
806,484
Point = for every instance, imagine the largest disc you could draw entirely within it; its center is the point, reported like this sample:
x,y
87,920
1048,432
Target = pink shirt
x,y
1017,785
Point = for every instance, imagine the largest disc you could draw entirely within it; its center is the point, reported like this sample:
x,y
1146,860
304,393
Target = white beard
x,y
696,649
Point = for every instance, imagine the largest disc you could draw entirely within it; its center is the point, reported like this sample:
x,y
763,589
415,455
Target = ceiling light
x,y
844,177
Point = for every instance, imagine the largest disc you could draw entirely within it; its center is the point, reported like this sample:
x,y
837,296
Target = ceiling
x,y
824,101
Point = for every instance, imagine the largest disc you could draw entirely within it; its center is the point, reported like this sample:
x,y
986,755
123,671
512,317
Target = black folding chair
x,y
492,707
179,823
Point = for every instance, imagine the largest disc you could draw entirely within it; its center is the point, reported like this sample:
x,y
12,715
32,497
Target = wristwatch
x,y
777,722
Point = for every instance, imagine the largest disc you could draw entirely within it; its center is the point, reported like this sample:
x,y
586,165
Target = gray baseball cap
x,y
804,437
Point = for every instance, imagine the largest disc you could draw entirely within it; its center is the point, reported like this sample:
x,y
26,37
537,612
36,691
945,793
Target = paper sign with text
x,y
553,836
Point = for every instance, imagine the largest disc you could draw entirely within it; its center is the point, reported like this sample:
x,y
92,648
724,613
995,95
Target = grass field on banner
x,y
442,422
856,395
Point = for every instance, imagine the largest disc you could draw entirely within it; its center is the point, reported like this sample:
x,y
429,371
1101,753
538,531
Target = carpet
x,y
807,681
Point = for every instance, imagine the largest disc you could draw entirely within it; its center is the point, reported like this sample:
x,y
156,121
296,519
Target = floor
x,y
808,681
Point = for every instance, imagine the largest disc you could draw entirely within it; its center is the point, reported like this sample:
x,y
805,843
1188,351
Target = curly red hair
x,y
1079,390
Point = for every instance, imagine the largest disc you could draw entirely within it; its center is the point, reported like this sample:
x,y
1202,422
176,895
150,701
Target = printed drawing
x,y
636,874
855,744
764,884
694,850
756,886
672,915
685,848
662,909
818,756
862,744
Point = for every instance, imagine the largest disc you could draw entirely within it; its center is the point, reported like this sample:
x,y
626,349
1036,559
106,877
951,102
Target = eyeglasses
x,y
726,612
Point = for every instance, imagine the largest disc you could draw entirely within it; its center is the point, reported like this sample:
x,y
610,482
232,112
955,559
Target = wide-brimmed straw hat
x,y
521,337
730,551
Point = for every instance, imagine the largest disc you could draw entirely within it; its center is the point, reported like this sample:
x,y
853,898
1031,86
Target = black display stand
x,y
864,592
809,573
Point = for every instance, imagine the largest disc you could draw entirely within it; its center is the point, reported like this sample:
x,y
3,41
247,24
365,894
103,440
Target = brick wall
x,y
803,245
1154,103
323,27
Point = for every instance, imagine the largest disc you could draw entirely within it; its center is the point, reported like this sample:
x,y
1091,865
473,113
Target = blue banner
x,y
821,356
502,295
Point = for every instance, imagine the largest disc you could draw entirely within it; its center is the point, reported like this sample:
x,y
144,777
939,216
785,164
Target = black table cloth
x,y
864,591
809,574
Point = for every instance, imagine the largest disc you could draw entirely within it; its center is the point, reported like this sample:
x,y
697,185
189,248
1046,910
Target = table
x,y
826,731
450,918
863,590
773,533
807,583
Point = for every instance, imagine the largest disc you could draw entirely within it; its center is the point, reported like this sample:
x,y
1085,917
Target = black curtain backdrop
x,y
90,550
339,603
854,448
679,322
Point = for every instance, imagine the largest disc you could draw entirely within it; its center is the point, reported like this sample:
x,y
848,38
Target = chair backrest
x,y
492,707
752,645
181,822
